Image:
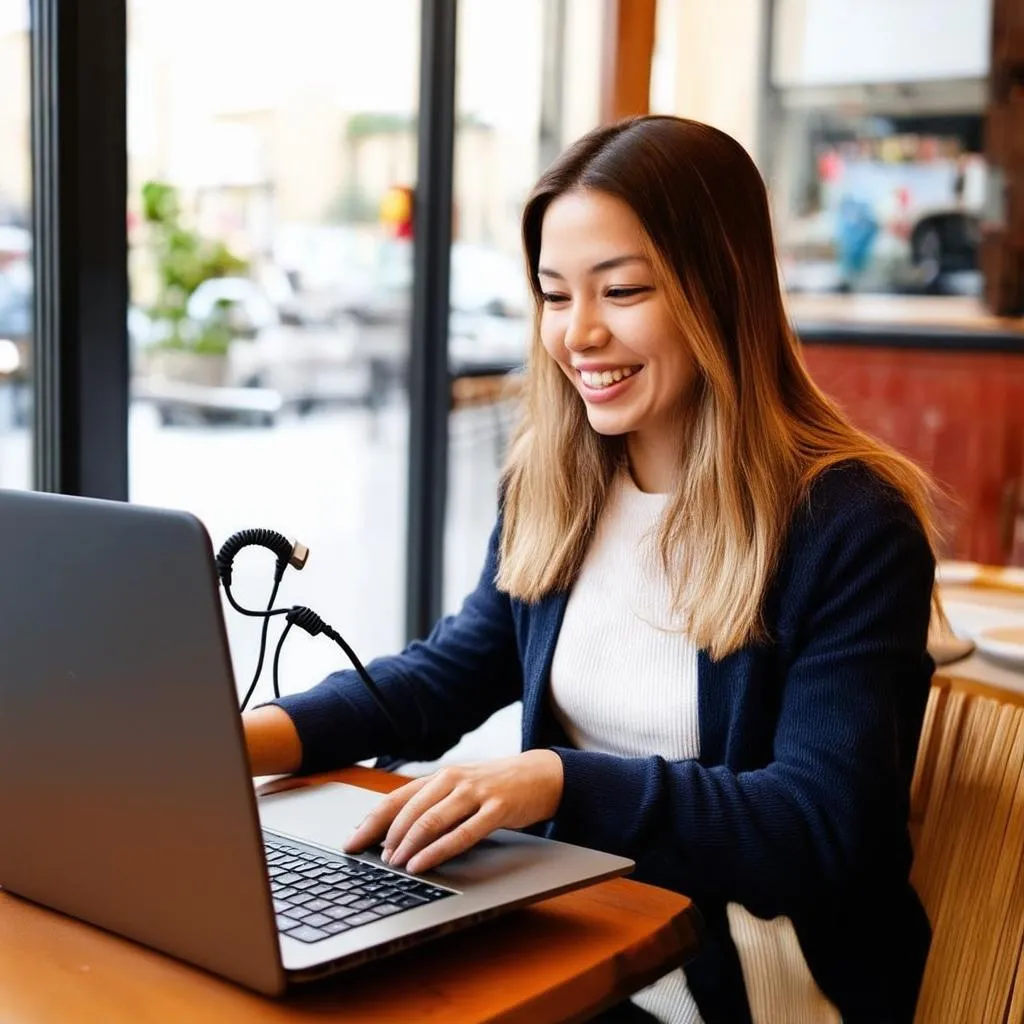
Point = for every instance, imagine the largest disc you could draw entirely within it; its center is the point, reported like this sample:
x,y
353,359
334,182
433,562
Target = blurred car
x,y
349,343
16,339
936,251
944,243
352,343
15,320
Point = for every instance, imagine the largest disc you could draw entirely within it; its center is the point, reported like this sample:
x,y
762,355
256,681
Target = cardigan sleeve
x,y
437,689
834,797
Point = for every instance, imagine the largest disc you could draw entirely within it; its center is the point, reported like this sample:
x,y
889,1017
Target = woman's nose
x,y
581,337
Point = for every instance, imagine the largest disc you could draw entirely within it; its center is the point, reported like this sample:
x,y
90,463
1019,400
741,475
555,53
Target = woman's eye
x,y
554,297
627,293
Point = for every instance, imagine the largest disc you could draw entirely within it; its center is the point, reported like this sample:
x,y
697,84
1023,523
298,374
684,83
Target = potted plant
x,y
186,350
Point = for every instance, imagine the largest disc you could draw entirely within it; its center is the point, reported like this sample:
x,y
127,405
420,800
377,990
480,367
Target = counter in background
x,y
942,381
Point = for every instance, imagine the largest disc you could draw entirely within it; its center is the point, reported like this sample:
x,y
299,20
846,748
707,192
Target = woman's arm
x,y
272,741
437,689
835,795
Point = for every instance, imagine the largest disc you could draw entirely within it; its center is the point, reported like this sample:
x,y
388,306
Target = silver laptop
x,y
126,799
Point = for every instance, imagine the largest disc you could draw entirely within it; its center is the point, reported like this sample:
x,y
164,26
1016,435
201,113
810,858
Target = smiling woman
x,y
710,592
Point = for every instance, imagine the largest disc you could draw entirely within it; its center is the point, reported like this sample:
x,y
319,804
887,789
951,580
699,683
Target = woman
x,y
709,590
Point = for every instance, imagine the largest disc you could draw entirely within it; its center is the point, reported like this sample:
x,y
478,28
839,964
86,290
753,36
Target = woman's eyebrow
x,y
597,268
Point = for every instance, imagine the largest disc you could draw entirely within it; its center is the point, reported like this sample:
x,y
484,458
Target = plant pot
x,y
188,367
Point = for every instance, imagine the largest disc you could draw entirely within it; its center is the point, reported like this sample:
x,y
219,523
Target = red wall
x,y
959,415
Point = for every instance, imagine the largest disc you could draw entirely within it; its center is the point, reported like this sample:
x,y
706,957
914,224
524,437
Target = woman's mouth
x,y
604,385
606,378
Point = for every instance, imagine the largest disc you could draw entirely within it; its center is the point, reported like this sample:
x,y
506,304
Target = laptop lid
x,y
126,799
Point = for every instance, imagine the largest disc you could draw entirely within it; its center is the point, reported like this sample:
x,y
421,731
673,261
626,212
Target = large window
x,y
527,86
15,248
272,149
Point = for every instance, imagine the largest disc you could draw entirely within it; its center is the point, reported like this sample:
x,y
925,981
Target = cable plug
x,y
307,619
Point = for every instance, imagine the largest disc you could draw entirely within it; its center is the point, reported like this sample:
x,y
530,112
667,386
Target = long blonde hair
x,y
758,431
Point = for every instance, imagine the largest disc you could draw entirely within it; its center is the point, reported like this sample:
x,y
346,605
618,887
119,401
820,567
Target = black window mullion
x,y
79,181
429,386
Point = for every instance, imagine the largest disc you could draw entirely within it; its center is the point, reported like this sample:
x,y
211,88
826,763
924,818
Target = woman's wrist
x,y
272,741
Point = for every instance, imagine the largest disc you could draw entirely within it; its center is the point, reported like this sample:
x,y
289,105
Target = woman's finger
x,y
460,839
421,813
376,824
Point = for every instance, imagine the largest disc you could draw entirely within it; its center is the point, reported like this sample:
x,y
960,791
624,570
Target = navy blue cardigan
x,y
798,803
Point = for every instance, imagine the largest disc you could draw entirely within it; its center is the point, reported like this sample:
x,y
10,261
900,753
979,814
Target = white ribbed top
x,y
624,682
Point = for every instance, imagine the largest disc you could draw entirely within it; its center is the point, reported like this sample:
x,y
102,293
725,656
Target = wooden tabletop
x,y
563,959
978,668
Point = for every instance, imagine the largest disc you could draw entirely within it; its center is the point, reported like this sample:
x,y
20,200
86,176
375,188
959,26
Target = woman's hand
x,y
433,819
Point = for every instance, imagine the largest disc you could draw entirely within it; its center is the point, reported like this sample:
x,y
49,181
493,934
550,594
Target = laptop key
x,y
316,906
339,913
280,905
283,892
407,902
367,917
386,909
296,913
288,878
305,883
319,872
300,898
334,927
316,920
307,934
286,924
342,899
319,889
365,904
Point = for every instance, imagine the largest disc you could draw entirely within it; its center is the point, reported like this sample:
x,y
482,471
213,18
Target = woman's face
x,y
606,321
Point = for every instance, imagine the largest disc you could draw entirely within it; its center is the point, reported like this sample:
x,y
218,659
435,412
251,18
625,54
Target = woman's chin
x,y
608,424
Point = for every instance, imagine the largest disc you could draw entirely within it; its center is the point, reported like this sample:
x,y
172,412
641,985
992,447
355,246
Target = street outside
x,y
336,480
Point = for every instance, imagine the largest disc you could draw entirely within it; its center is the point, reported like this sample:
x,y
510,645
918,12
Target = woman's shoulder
x,y
851,532
848,518
851,494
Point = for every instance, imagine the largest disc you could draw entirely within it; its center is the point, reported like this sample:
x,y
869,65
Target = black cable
x,y
278,575
268,614
277,657
296,555
307,619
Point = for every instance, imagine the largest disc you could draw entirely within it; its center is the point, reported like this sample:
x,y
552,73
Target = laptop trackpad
x,y
328,814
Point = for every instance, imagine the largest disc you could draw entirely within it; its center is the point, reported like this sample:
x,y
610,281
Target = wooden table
x,y
562,960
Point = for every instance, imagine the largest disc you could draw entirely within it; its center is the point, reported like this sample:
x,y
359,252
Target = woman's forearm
x,y
272,741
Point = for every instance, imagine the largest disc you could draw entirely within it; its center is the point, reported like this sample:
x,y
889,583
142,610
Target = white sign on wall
x,y
860,42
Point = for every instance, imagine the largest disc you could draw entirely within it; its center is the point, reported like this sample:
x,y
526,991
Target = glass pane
x,y
15,248
270,274
507,134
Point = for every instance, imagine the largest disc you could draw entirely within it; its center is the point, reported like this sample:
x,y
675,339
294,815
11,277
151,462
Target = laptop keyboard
x,y
317,897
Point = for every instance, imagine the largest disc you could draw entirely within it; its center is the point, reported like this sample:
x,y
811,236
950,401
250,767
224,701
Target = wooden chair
x,y
967,822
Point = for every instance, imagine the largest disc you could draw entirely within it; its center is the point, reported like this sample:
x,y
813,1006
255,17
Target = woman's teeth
x,y
605,378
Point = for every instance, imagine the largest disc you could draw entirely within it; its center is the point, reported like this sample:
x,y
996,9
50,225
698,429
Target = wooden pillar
x,y
626,58
1002,247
